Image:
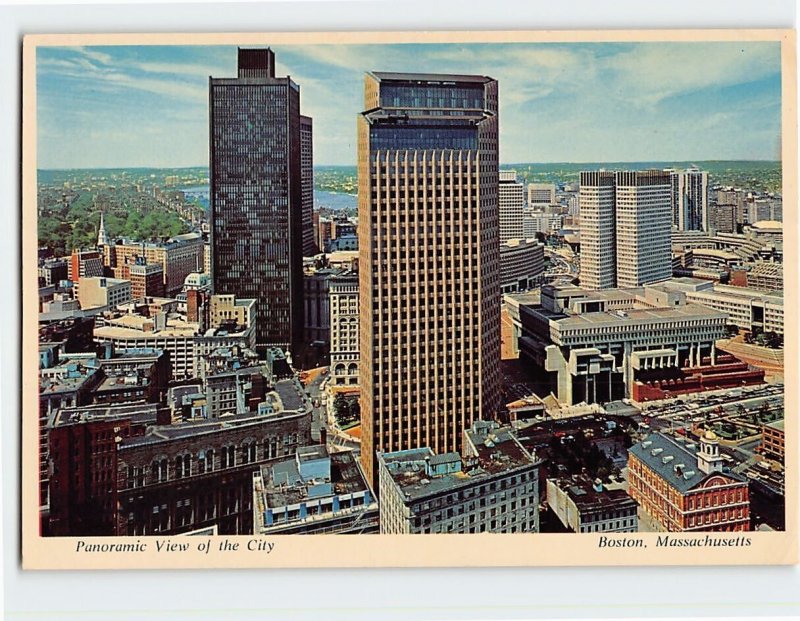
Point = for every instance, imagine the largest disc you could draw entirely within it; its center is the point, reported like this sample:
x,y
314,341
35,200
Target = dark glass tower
x,y
429,245
256,195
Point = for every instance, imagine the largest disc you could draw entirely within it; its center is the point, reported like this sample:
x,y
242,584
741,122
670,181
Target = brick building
x,y
686,489
192,475
773,440
83,464
147,280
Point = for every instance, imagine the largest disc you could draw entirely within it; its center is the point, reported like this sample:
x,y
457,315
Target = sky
x,y
147,106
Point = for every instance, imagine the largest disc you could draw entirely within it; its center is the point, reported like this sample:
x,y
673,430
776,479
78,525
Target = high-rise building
x,y
512,201
643,231
598,230
256,195
344,328
429,260
541,194
625,228
689,199
307,174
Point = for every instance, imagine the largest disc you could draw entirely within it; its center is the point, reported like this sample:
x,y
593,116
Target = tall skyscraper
x,y
256,195
625,228
598,230
643,227
307,174
689,199
696,188
512,201
429,260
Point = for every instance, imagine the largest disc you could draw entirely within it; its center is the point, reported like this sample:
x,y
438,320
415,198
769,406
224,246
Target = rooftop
x,y
687,311
587,499
430,77
777,425
284,486
674,459
143,413
493,450
67,376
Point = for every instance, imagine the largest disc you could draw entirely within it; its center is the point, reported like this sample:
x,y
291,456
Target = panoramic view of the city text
x,y
410,288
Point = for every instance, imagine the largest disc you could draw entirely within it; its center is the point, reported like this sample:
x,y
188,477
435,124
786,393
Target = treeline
x,y
76,226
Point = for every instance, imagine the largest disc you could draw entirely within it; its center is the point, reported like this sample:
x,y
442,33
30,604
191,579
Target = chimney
x,y
163,416
192,306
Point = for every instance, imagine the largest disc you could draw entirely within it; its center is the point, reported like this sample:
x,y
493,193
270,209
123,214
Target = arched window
x,y
160,470
183,466
228,456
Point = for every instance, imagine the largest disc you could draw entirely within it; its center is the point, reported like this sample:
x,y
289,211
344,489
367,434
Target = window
x,y
160,470
228,456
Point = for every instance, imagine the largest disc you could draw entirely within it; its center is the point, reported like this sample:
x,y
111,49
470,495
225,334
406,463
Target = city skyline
x,y
561,102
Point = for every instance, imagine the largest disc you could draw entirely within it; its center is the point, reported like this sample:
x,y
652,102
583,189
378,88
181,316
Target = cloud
x,y
557,101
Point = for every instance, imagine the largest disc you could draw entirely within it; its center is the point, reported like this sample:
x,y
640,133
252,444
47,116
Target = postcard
x,y
409,299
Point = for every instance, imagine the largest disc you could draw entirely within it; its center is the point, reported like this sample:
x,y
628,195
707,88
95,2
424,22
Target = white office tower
x,y
689,199
643,227
541,194
511,200
598,242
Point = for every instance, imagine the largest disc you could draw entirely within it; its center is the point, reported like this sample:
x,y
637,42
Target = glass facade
x,y
256,235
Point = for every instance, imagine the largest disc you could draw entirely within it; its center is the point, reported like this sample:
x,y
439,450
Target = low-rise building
x,y
147,280
773,440
82,464
315,492
492,487
684,487
746,308
766,276
592,346
179,256
521,265
584,506
226,309
98,291
131,470
186,342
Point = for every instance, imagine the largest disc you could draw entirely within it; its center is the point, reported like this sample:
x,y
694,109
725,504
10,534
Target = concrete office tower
x,y
429,260
307,174
541,194
643,227
512,201
598,230
689,199
256,195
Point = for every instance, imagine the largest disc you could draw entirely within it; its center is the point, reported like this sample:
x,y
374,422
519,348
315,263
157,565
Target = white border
x,y
350,594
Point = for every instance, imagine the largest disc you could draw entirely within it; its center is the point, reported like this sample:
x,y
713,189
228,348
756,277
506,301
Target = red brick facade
x,y
718,503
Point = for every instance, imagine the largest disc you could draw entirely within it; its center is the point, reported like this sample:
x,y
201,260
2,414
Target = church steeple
x,y
102,238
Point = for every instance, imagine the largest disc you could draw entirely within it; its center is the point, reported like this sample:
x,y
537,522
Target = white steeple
x,y
102,238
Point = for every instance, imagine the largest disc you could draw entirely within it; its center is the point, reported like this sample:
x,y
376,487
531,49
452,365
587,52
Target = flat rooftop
x,y
429,77
497,452
143,413
290,489
588,500
687,311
